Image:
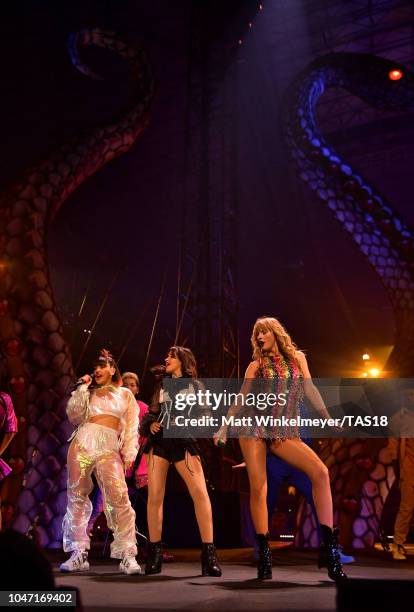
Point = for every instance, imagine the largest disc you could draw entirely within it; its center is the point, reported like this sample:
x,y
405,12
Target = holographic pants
x,y
95,449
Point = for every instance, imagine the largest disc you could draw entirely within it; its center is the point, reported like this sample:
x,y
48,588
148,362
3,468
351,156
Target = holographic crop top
x,y
118,402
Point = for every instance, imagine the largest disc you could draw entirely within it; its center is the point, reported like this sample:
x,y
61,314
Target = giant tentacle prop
x,y
381,235
38,358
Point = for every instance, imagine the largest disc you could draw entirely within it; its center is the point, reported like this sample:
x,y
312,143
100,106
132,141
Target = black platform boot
x,y
154,558
329,553
209,563
264,564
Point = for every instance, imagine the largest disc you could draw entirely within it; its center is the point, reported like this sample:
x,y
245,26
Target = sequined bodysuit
x,y
285,377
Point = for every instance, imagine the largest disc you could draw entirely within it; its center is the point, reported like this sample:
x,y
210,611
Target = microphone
x,y
158,371
81,381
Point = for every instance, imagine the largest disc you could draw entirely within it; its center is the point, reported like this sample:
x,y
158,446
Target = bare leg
x,y
301,456
197,488
157,477
254,453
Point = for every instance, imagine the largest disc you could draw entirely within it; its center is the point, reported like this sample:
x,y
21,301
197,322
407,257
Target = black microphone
x,y
158,371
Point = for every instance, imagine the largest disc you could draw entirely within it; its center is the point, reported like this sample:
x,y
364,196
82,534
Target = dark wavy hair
x,y
187,359
105,357
188,367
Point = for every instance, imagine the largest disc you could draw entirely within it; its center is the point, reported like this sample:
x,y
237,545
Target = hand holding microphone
x,y
220,438
86,379
158,371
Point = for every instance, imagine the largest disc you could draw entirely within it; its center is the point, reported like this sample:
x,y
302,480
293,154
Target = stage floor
x,y
297,584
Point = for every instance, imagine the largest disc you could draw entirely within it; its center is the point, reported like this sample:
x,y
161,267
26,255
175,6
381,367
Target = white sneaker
x,y
398,552
78,562
129,565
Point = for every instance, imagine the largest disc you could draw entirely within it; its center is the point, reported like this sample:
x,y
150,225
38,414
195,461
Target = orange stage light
x,y
396,74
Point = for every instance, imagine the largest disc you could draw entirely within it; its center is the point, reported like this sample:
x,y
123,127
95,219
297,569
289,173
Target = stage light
x,y
395,74
366,357
374,372
364,374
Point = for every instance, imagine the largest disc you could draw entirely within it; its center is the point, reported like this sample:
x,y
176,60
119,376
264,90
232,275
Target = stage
x,y
297,583
189,189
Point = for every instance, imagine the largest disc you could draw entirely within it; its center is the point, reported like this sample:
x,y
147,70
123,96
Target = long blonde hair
x,y
284,342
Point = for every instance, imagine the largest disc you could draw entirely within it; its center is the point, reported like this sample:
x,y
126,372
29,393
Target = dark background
x,y
293,260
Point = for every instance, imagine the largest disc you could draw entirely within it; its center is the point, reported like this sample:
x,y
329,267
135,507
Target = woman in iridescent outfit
x,y
277,359
104,443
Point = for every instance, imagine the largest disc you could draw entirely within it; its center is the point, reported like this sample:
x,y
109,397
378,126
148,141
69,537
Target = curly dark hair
x,y
188,367
187,359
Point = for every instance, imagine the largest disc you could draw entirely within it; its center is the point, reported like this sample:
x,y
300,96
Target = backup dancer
x,y
8,429
104,443
277,359
185,455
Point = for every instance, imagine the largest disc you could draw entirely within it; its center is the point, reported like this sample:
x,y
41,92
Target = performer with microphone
x,y
184,453
104,443
86,379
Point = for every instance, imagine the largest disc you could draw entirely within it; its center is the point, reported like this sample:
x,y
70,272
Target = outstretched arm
x,y
221,436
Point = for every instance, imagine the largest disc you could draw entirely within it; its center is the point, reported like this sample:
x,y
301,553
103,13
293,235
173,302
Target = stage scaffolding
x,y
207,308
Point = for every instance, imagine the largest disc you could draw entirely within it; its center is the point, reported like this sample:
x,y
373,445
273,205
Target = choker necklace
x,y
109,386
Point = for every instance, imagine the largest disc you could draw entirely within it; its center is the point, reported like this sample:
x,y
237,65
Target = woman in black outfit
x,y
185,455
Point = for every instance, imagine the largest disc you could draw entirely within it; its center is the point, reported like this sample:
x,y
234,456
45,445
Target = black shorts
x,y
172,449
